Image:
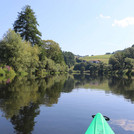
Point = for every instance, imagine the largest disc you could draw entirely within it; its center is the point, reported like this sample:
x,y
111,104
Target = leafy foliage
x,y
123,59
17,53
16,49
26,25
69,58
53,51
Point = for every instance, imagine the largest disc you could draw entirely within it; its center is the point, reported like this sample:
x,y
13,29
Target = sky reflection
x,y
127,125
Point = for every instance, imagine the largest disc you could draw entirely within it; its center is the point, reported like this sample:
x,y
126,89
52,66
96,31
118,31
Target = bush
x,y
2,72
9,72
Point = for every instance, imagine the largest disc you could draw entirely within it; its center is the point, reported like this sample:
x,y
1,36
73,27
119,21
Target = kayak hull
x,y
99,126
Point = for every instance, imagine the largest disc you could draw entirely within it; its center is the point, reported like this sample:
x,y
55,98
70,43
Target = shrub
x,y
2,72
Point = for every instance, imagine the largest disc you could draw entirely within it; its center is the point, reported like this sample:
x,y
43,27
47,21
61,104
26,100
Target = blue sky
x,y
84,27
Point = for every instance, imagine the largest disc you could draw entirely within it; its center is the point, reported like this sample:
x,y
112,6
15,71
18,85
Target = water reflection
x,y
116,85
16,95
20,100
122,86
24,122
127,125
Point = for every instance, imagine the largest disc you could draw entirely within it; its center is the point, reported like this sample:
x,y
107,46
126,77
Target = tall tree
x,y
26,25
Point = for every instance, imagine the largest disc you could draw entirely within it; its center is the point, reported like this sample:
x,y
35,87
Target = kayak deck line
x,y
99,126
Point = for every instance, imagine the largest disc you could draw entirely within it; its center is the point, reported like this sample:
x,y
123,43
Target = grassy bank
x,y
103,58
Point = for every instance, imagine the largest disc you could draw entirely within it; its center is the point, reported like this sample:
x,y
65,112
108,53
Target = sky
x,y
84,27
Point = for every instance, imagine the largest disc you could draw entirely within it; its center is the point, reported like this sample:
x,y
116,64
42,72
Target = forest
x,y
23,52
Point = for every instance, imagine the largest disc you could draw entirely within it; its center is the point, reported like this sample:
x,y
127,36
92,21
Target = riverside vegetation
x,y
119,63
22,52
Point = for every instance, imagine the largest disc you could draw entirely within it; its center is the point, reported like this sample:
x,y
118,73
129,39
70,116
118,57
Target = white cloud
x,y
124,22
104,17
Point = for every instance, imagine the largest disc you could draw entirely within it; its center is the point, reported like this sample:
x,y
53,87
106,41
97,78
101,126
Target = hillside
x,y
103,58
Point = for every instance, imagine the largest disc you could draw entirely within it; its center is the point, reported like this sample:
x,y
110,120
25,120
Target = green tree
x,y
26,25
53,51
18,53
117,61
81,67
51,57
51,66
94,68
34,57
129,52
69,58
129,62
122,60
42,58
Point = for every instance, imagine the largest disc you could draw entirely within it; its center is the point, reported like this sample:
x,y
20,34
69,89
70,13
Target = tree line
x,y
121,62
23,49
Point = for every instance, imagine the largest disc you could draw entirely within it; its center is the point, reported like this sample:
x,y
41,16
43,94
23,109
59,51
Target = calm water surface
x,y
65,104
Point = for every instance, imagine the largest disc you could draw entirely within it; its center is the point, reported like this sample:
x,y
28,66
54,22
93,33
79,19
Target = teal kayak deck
x,y
99,126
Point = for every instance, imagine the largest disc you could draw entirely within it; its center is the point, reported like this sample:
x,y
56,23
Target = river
x,y
65,104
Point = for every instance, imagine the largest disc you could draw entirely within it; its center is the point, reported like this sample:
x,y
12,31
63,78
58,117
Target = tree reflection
x,y
20,99
24,122
16,95
92,82
50,89
69,84
122,86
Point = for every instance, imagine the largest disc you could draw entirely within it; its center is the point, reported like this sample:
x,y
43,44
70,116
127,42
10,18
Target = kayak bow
x,y
99,126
